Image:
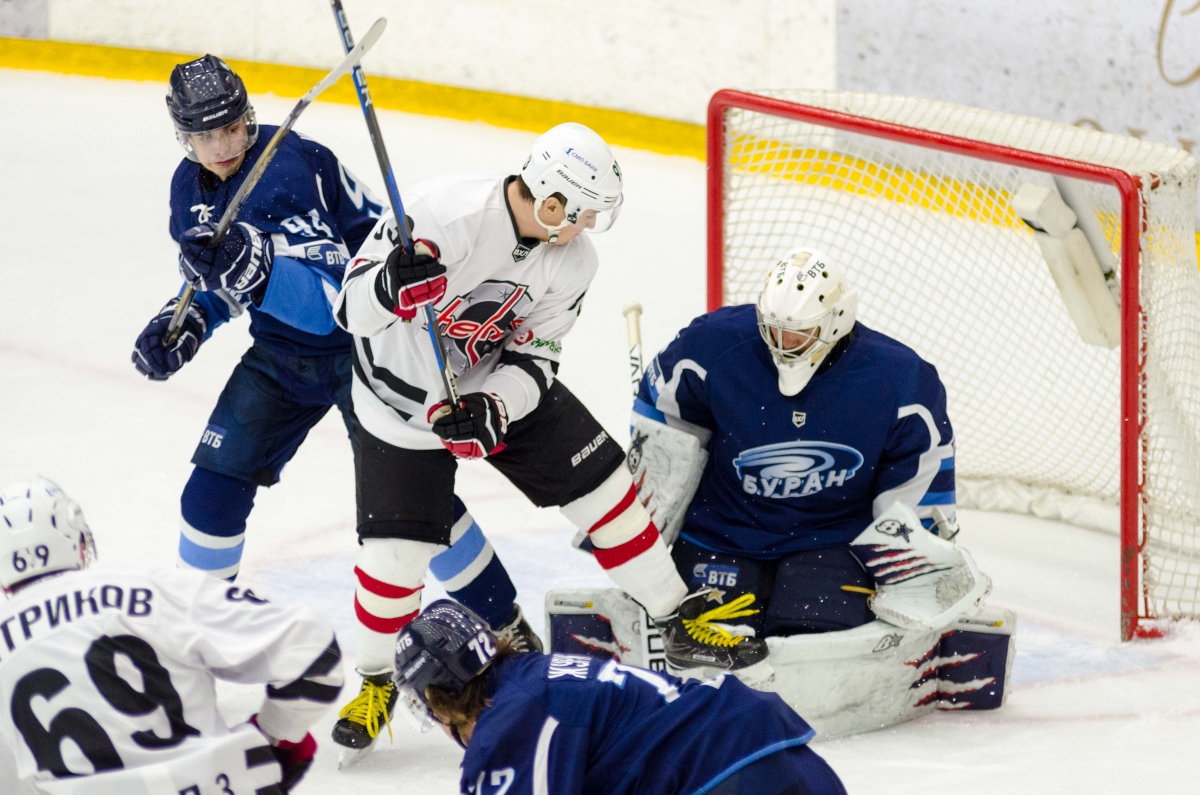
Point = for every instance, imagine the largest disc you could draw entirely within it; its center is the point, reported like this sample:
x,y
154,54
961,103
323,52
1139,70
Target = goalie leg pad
x,y
666,464
603,623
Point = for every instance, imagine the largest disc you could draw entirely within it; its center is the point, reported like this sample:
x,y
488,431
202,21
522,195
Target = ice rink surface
x,y
86,261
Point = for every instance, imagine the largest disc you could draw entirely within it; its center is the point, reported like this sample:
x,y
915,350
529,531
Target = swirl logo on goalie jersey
x,y
795,469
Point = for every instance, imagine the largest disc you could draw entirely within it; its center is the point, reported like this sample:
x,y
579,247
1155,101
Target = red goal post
x,y
875,180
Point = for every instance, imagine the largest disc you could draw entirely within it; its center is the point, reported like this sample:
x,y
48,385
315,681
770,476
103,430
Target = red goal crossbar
x,y
1132,318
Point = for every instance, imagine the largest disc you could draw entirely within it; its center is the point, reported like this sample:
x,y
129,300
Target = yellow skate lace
x,y
703,629
367,706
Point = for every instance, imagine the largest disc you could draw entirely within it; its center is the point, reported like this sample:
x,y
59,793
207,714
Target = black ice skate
x,y
520,636
697,637
359,721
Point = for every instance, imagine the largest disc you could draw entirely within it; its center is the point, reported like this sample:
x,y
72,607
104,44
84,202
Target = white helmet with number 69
x,y
806,306
42,531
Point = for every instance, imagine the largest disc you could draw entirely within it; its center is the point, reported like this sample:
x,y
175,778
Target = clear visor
x,y
87,551
414,708
220,147
790,341
599,220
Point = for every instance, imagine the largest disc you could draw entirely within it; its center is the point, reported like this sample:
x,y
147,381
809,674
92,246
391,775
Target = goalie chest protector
x,y
787,474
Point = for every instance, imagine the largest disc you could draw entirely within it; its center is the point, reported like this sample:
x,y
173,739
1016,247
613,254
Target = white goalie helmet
x,y
805,296
42,531
573,160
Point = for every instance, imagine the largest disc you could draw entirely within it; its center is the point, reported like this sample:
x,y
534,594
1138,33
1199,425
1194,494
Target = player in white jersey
x,y
505,263
107,676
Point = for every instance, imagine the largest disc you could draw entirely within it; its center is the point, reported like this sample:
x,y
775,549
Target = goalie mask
x,y
573,160
804,308
42,531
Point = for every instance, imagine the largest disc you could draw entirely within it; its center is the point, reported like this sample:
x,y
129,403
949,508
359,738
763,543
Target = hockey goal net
x,y
913,196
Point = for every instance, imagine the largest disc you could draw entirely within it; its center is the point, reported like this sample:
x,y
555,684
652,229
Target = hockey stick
x,y
389,179
351,60
633,316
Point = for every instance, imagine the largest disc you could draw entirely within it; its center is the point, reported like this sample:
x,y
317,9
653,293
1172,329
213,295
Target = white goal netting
x,y
945,265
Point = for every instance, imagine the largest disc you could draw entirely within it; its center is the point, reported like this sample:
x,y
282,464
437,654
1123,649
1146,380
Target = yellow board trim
x,y
411,96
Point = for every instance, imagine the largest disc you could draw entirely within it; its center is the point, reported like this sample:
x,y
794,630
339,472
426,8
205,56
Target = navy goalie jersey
x,y
317,215
786,474
572,725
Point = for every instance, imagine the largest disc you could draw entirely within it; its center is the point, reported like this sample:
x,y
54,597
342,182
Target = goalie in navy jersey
x,y
806,426
282,262
571,724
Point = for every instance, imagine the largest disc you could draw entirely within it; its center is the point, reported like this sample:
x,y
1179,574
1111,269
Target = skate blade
x,y
349,757
758,676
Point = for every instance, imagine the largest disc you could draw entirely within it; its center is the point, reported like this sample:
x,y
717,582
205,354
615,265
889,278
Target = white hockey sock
x,y
627,545
390,574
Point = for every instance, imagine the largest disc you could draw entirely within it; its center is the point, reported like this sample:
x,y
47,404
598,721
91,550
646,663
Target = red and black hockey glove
x,y
411,279
294,758
473,430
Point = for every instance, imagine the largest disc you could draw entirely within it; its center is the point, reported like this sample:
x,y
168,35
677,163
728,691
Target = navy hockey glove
x,y
473,430
411,279
241,265
159,363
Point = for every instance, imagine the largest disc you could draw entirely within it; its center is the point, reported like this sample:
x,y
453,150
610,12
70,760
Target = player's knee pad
x,y
214,509
626,543
390,574
471,572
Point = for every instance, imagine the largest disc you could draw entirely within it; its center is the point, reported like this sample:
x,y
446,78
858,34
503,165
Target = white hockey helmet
x,y
573,160
42,531
807,296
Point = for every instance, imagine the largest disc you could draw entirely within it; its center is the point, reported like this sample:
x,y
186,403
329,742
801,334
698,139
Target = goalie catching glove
x,y
921,581
473,430
410,279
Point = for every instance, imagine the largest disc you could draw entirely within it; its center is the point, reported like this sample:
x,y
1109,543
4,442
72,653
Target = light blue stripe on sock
x,y
199,557
459,556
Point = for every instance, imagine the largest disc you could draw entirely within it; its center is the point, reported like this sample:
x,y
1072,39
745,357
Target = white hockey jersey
x,y
107,682
509,302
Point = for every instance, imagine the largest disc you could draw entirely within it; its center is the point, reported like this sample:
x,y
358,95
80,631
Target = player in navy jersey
x,y
566,724
282,262
814,425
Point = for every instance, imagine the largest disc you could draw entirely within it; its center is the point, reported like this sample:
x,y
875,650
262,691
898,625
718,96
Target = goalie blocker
x,y
932,647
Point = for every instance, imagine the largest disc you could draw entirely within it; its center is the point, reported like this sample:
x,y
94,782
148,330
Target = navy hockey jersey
x,y
574,725
786,474
317,214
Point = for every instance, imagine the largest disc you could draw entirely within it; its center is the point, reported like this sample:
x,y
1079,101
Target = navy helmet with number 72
x,y
42,531
445,647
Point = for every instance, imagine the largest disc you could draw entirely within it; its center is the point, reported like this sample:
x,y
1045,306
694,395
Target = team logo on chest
x,y
799,418
477,323
795,469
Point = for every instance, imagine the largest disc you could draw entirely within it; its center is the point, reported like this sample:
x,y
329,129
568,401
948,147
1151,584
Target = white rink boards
x,y
85,166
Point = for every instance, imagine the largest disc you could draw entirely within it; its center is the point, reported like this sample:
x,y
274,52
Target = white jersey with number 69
x,y
107,682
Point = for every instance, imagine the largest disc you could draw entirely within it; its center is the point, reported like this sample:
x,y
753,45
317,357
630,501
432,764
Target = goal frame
x,y
1133,400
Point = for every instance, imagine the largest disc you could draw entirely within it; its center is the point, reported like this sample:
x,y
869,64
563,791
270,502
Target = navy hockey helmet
x,y
206,95
445,647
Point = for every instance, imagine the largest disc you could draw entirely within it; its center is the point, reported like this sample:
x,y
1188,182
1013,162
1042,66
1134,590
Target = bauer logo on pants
x,y
795,469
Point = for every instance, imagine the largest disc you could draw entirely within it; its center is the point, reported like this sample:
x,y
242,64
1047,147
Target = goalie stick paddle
x,y
350,61
633,317
389,179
